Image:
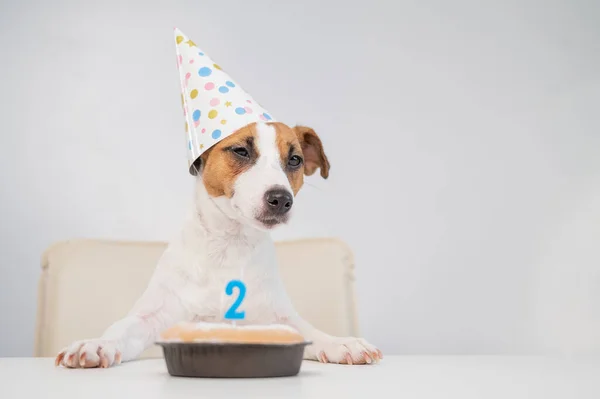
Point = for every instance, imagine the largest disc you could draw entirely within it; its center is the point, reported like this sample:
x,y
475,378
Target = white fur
x,y
265,174
219,241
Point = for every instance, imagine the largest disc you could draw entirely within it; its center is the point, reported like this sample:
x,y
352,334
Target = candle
x,y
233,313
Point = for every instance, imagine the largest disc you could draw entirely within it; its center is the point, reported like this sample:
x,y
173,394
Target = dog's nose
x,y
278,201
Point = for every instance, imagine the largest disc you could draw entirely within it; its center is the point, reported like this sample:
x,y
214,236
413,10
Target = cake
x,y
227,332
227,350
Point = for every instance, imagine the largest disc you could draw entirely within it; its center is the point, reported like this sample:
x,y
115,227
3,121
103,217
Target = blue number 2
x,y
233,313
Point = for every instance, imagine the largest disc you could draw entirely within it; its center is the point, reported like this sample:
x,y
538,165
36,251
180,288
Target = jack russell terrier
x,y
245,186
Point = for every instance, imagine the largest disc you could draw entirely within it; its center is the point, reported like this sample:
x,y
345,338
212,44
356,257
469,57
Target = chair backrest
x,y
86,285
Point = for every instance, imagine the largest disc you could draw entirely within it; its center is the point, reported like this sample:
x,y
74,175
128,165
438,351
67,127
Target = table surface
x,y
461,377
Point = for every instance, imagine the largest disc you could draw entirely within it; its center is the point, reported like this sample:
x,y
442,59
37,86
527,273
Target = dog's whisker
x,y
313,186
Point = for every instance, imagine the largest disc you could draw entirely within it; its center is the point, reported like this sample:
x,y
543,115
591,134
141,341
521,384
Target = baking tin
x,y
233,360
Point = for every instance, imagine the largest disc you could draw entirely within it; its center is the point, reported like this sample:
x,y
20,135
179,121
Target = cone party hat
x,y
214,105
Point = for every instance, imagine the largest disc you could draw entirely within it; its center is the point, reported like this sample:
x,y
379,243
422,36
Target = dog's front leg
x,y
126,339
331,349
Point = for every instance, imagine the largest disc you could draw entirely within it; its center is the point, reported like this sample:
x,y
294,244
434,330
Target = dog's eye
x,y
295,161
241,151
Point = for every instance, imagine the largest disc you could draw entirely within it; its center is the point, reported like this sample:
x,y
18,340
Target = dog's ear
x,y
312,149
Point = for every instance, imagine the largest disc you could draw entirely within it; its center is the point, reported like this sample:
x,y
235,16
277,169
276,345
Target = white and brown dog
x,y
245,186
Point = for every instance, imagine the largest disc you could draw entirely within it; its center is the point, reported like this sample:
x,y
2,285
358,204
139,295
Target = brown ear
x,y
312,149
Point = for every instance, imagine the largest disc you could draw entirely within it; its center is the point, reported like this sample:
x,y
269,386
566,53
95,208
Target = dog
x,y
245,187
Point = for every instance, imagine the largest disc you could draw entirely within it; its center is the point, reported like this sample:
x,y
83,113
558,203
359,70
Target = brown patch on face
x,y
312,149
223,162
289,147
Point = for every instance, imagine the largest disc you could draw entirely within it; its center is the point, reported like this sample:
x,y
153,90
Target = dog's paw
x,y
344,351
89,354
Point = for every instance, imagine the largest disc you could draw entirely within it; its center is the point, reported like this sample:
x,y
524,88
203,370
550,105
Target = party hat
x,y
214,104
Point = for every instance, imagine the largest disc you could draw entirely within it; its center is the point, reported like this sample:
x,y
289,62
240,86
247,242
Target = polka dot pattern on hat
x,y
204,71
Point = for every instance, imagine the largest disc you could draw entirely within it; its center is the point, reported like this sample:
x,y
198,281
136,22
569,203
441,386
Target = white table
x,y
405,377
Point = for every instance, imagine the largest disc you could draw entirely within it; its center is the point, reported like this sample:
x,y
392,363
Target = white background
x,y
464,140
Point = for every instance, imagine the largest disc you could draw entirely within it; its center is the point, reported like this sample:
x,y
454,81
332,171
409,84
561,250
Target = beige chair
x,y
85,285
